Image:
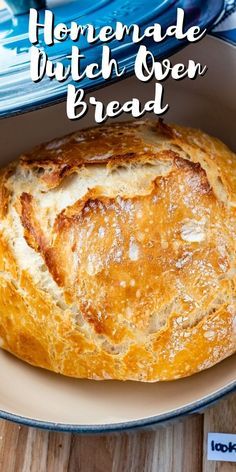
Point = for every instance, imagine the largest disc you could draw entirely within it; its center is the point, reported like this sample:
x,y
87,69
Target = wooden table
x,y
179,447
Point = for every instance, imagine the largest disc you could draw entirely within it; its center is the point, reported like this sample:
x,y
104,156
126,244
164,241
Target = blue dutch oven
x,y
38,398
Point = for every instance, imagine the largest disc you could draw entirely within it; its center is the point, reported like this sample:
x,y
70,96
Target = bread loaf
x,y
118,253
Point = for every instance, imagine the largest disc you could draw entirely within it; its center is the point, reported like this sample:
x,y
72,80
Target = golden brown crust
x,y
118,253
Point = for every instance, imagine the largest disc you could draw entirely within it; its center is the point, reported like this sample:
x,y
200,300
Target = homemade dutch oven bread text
x,y
118,253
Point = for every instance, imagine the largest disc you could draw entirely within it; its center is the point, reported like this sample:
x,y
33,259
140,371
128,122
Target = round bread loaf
x,y
118,253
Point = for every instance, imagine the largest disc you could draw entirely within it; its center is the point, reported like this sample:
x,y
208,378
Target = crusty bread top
x,y
133,143
127,232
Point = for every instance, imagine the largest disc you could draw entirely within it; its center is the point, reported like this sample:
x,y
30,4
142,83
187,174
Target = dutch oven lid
x,y
17,91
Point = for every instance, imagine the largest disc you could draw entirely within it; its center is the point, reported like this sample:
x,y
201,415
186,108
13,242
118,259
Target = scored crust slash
x,y
118,253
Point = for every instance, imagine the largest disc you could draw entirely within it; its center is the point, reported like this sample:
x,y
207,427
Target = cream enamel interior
x,y
33,393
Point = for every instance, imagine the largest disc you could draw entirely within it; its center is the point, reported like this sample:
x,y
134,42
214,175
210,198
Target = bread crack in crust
x,y
118,253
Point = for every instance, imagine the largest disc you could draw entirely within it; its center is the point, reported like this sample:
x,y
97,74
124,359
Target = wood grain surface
x,y
177,447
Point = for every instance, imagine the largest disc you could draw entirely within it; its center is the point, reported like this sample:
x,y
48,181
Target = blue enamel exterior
x,y
225,29
19,94
19,7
